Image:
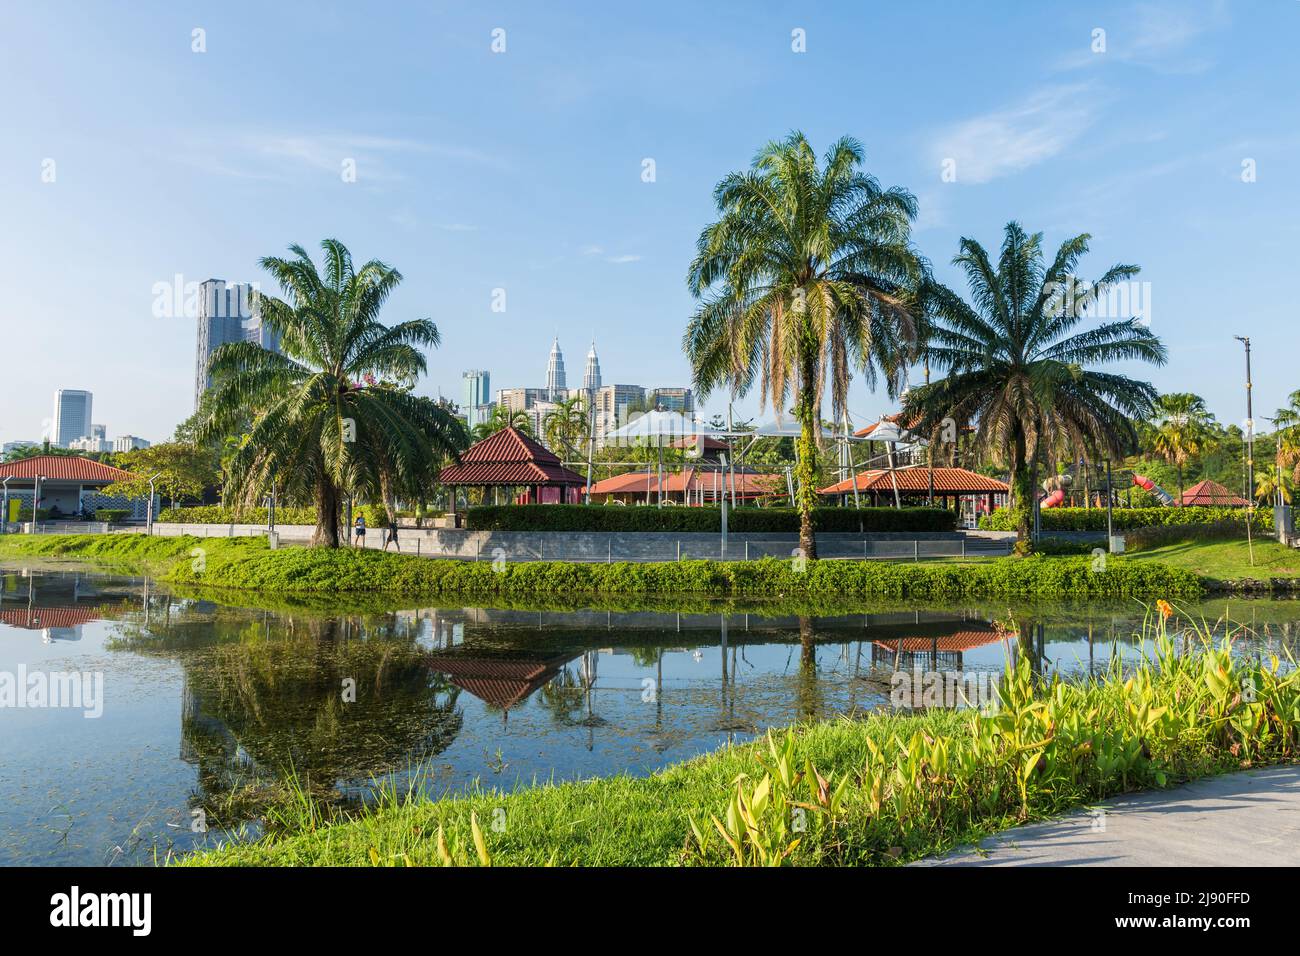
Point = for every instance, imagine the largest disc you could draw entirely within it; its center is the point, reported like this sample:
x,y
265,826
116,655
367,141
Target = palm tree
x,y
1273,484
1180,430
503,417
803,276
1287,435
1015,366
334,415
566,426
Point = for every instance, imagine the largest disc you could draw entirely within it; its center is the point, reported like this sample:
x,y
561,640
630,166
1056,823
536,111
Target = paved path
x,y
1250,818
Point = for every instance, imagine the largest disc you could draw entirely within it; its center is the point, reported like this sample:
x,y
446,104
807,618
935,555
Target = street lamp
x,y
36,499
1250,452
148,520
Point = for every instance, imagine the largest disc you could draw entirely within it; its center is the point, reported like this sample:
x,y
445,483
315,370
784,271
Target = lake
x,y
162,722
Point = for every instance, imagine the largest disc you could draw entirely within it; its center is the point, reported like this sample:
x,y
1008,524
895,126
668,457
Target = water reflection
x,y
212,711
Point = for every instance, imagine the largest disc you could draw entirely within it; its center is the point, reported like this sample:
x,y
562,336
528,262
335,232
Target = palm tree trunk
x,y
806,476
1023,494
327,515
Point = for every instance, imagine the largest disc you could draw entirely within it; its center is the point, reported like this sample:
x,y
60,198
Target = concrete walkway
x,y
1250,818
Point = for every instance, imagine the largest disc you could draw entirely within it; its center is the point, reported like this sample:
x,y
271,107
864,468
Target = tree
x,y
183,471
803,277
567,427
1017,369
503,417
1273,485
1287,435
335,414
1181,429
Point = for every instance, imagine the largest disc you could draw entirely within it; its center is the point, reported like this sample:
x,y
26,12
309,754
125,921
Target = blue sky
x,y
522,170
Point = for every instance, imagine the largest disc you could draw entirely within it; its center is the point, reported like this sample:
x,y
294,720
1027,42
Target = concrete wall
x,y
628,546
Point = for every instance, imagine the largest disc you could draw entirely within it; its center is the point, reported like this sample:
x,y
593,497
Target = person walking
x,y
392,534
361,531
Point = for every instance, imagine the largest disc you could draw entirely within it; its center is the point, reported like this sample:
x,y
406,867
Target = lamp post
x,y
36,499
1250,452
148,519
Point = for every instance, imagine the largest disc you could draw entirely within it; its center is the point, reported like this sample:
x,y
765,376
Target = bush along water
x,y
782,520
1094,519
1048,746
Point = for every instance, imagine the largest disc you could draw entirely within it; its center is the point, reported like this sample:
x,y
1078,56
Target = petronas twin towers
x,y
555,379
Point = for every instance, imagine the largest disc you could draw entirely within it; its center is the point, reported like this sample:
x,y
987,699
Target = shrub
x,y
1094,519
680,520
111,515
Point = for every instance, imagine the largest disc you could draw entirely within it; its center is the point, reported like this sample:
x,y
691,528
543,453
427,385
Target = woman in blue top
x,y
361,531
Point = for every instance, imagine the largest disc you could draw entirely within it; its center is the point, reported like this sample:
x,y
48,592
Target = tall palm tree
x,y
334,414
1018,371
1181,429
803,277
1273,485
567,426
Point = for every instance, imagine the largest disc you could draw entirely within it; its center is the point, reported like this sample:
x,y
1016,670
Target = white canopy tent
x,y
653,428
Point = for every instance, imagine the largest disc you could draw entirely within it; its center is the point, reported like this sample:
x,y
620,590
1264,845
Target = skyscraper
x,y
591,376
71,416
555,373
226,314
478,397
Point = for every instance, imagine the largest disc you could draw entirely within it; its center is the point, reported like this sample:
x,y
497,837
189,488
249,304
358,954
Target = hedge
x,y
1094,519
111,514
375,515
679,519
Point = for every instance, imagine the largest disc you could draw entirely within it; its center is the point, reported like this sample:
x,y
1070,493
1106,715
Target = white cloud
x,y
1154,35
1009,140
594,250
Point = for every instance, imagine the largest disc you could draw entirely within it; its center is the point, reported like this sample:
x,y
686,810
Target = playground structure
x,y
1058,487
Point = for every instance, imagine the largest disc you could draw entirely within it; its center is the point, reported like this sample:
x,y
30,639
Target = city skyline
x,y
1062,137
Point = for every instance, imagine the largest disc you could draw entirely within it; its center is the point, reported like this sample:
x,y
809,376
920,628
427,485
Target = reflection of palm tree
x,y
269,700
808,688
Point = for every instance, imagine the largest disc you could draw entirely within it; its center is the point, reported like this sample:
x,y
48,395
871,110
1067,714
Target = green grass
x,y
876,791
248,564
1227,560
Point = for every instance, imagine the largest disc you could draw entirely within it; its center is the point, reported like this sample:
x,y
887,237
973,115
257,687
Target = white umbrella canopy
x,y
788,429
660,424
886,430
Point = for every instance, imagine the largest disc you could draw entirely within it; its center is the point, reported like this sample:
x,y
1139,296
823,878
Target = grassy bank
x,y
1228,561
877,791
249,564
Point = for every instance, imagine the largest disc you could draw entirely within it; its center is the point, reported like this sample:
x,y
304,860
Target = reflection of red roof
x,y
64,468
501,683
508,457
950,481
1212,493
748,484
968,639
38,617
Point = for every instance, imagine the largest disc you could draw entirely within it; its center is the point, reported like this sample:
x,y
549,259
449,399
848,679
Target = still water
x,y
162,711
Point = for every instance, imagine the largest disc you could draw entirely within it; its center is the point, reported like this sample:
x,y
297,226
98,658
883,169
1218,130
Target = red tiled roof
x,y
705,442
501,683
509,457
692,479
947,481
63,468
38,617
963,640
1212,493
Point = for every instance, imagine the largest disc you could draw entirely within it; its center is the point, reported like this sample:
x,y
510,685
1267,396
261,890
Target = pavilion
x,y
949,484
1212,494
510,459
69,484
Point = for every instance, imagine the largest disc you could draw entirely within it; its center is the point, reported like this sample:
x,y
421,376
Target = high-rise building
x,y
591,376
90,443
226,314
128,443
674,399
478,397
71,416
611,404
555,386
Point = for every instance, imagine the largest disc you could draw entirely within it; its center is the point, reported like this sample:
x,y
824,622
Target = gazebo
x,y
915,481
510,459
68,484
690,486
1211,493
